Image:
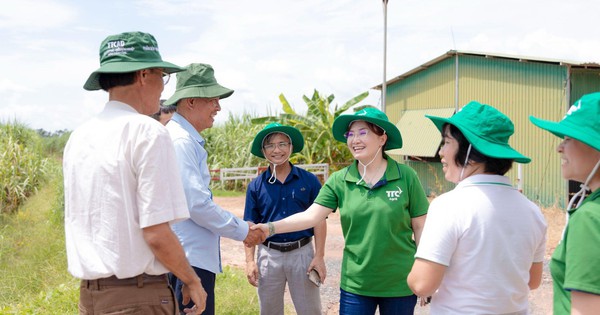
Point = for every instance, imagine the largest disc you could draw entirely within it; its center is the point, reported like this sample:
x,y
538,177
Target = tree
x,y
319,144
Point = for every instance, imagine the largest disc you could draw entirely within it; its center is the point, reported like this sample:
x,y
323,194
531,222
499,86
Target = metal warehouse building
x,y
517,86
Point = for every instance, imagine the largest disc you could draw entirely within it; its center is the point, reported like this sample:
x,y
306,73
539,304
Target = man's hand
x,y
318,263
263,229
255,236
196,293
252,273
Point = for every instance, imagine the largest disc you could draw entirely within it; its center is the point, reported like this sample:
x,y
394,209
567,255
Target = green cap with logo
x,y
294,134
198,80
486,128
128,52
582,121
374,116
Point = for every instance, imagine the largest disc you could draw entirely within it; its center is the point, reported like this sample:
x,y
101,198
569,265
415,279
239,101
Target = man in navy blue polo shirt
x,y
283,190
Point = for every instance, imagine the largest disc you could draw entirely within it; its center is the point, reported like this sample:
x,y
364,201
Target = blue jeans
x,y
208,283
354,304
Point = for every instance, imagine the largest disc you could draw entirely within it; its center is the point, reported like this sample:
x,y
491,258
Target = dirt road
x,y
232,254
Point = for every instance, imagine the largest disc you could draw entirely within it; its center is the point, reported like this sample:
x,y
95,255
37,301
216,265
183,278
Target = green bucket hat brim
x,y
485,146
582,121
341,123
199,91
93,84
567,129
293,133
198,80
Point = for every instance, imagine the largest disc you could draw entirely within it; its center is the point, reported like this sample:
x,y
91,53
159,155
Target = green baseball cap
x,y
374,116
486,128
582,121
128,52
293,133
198,80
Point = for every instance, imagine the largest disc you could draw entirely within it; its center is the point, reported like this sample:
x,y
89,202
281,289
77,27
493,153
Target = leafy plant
x,y
22,167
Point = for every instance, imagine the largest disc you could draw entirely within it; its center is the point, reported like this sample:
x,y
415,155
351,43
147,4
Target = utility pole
x,y
384,84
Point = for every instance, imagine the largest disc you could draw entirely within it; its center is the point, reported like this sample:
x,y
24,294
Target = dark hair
x,y
110,80
491,165
163,110
167,109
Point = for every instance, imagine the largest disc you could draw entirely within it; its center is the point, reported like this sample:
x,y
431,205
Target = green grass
x,y
233,293
33,263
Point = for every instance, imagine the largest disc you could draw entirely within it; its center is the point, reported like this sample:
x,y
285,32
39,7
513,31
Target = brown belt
x,y
286,247
138,281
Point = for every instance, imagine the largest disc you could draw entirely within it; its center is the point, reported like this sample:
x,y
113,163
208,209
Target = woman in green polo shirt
x,y
382,209
576,260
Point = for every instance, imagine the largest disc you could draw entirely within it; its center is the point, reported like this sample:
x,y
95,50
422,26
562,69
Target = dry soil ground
x,y
233,255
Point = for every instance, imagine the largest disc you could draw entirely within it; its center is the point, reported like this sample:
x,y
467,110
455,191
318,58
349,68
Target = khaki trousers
x,y
121,297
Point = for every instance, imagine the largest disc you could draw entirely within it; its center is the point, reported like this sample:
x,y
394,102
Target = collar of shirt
x,y
293,171
119,106
485,179
188,127
392,172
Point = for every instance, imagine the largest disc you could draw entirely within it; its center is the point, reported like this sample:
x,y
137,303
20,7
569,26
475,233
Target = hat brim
x,y
293,133
341,123
211,91
491,149
93,84
566,129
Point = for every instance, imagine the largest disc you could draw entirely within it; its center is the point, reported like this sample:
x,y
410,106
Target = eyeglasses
x,y
361,134
165,77
280,145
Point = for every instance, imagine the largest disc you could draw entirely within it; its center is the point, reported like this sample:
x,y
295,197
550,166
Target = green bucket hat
x,y
128,52
374,116
486,128
198,80
582,121
293,133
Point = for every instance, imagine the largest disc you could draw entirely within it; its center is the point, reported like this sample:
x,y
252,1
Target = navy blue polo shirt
x,y
272,202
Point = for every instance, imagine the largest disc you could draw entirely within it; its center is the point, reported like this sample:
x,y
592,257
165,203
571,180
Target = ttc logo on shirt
x,y
393,195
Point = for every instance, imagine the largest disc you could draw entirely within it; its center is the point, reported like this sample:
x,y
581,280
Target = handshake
x,y
257,234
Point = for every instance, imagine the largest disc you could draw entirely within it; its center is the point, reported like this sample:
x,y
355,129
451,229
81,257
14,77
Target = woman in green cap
x,y
482,248
576,260
382,207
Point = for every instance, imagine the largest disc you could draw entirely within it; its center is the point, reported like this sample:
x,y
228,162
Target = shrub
x,y
22,167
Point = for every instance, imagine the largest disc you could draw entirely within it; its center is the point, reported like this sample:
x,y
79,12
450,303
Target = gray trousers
x,y
275,269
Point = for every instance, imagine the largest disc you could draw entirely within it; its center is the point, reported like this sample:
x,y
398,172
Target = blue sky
x,y
266,47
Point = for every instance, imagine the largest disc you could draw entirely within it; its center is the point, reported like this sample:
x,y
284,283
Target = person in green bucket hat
x,y
382,207
197,98
482,249
122,190
575,261
279,192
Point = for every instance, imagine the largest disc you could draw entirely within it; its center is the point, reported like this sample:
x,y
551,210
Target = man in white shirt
x,y
122,190
197,99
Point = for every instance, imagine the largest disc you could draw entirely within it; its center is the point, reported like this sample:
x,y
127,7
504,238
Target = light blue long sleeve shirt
x,y
200,234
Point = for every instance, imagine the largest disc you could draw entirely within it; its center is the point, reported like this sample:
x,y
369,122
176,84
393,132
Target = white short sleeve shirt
x,y
488,235
120,176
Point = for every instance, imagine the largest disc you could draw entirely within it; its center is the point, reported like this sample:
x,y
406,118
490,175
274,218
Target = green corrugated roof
x,y
420,137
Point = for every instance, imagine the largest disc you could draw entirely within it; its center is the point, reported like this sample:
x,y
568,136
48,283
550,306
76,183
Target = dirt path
x,y
232,253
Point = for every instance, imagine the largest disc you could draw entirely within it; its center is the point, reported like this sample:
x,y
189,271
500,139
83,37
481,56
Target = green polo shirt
x,y
376,222
575,261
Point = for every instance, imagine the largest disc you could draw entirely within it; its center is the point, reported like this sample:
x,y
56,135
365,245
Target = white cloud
x,y
31,15
264,48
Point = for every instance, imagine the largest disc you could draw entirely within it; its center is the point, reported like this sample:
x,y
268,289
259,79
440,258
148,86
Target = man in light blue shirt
x,y
197,99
